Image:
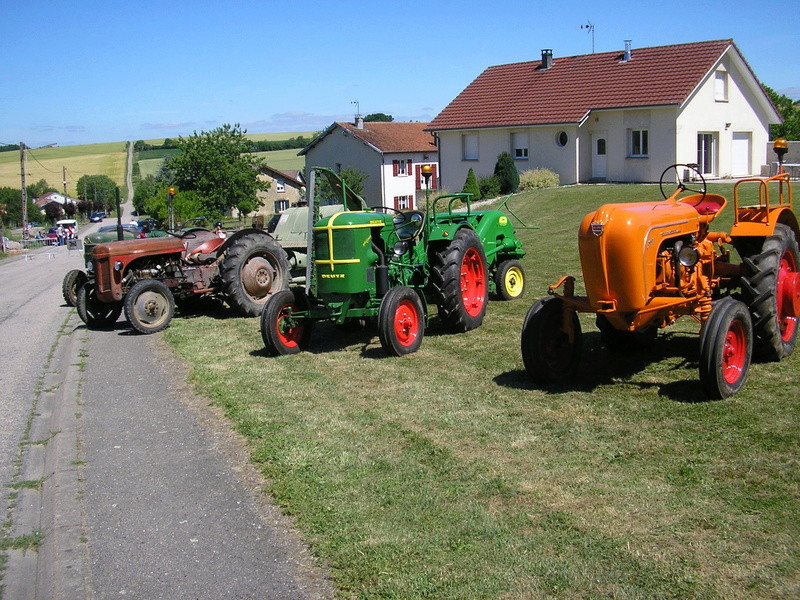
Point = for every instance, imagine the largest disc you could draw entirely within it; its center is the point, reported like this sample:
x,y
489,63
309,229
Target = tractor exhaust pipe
x,y
381,273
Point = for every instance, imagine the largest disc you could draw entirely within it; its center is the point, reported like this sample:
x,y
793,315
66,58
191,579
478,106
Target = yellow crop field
x,y
49,164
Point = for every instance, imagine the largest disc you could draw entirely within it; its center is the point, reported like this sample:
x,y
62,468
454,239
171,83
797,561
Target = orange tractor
x,y
646,264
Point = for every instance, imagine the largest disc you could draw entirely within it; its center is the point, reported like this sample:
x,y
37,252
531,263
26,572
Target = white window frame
x,y
403,202
280,185
519,145
639,140
721,86
469,146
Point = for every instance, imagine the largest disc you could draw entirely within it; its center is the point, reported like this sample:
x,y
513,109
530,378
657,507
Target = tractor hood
x,y
145,246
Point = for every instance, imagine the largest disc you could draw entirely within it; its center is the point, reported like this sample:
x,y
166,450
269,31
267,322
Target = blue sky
x,y
87,71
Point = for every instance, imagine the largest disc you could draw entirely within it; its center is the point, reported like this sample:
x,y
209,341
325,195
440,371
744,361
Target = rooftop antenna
x,y
358,107
590,29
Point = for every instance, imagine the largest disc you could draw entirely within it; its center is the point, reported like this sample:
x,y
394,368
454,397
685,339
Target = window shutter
x,y
395,167
434,178
418,176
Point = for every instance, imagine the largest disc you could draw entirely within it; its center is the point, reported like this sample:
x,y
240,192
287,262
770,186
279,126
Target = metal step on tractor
x,y
144,277
647,264
384,264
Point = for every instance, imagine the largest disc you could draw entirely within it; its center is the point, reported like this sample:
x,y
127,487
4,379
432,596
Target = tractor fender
x,y
760,228
241,233
445,232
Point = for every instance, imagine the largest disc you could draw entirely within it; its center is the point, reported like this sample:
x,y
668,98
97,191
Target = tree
x,y
12,198
352,177
217,166
101,190
40,188
378,118
471,185
790,111
507,173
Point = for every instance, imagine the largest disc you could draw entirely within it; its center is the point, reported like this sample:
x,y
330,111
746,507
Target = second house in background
x,y
391,155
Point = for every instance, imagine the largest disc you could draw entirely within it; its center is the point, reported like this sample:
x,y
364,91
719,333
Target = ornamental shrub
x,y
490,186
506,172
471,186
537,179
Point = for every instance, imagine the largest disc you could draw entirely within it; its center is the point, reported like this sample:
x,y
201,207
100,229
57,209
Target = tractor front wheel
x,y
551,341
282,332
149,306
771,290
93,312
73,281
401,321
509,280
726,345
254,267
460,282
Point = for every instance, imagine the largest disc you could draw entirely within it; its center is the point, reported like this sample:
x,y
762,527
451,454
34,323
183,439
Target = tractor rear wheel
x,y
281,331
460,282
401,321
771,290
551,341
726,345
254,267
96,314
149,306
509,280
73,281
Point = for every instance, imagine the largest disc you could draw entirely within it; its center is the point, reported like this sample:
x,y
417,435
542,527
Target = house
x,y
287,188
390,154
55,199
611,116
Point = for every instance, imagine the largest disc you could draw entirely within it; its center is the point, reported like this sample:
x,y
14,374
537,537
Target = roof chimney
x,y
547,58
359,122
627,56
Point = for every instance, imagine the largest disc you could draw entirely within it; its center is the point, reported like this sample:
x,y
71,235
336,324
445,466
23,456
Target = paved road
x,y
137,486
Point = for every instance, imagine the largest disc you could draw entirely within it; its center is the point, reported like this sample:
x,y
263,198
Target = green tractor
x,y
385,264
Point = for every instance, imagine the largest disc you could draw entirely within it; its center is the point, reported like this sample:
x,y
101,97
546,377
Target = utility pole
x,y
24,191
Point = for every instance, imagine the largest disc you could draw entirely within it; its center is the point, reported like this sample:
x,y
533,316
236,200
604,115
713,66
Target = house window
x,y
639,143
403,202
401,168
721,86
280,186
519,145
562,139
706,153
281,205
469,146
601,146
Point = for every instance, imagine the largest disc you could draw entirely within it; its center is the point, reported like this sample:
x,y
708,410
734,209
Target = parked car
x,y
96,217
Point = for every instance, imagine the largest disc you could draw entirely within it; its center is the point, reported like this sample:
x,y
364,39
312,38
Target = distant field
x,y
109,159
48,163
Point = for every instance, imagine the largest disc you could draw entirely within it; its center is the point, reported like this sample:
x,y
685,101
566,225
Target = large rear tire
x,y
460,282
726,345
255,267
771,290
149,306
551,341
96,314
282,332
73,281
401,321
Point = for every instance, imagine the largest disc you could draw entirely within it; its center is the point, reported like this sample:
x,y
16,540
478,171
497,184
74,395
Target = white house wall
x,y
724,118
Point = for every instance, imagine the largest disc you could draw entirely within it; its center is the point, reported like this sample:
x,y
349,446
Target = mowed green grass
x,y
449,474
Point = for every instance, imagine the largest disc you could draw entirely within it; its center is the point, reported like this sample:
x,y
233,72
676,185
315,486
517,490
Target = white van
x,y
69,223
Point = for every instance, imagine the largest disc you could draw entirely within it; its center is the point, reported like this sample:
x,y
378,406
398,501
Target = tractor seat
x,y
707,206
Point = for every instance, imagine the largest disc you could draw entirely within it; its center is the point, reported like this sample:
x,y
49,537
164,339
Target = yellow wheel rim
x,y
514,282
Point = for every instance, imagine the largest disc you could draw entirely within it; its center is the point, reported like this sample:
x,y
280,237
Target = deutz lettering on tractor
x,y
387,264
646,264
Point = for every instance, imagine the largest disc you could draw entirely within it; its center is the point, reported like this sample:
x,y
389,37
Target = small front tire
x,y
96,314
726,346
149,306
281,331
551,341
509,280
401,321
73,281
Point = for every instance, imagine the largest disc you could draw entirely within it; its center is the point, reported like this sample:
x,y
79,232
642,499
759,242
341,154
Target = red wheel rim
x,y
734,352
788,296
406,323
290,332
473,282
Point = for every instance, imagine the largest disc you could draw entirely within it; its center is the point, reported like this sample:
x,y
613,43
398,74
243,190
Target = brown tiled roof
x,y
525,94
394,137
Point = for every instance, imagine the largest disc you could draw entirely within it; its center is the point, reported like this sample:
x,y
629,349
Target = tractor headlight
x,y
118,265
400,248
688,256
89,266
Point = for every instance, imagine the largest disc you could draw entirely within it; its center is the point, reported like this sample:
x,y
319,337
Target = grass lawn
x,y
448,474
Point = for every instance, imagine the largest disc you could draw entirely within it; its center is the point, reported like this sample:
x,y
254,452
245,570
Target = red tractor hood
x,y
138,247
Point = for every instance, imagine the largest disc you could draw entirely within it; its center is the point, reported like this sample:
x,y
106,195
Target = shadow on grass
x,y
600,367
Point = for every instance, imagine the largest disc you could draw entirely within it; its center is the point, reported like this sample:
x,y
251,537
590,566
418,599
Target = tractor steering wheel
x,y
387,209
680,175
